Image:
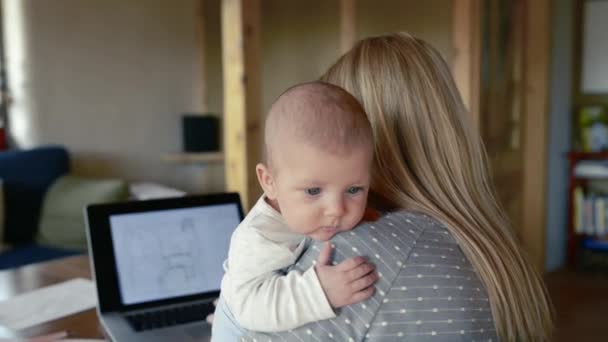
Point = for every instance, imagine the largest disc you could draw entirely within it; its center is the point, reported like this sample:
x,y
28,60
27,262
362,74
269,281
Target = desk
x,y
13,282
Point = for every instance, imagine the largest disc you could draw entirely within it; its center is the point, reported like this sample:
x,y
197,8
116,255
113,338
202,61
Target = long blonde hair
x,y
428,158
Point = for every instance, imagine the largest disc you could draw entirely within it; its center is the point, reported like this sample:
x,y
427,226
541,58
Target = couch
x,y
43,205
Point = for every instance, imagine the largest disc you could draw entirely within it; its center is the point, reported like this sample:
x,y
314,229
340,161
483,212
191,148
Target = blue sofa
x,y
26,176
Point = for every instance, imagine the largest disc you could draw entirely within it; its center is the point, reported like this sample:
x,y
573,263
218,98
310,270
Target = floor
x,y
581,305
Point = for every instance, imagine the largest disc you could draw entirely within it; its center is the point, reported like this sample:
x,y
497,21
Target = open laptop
x,y
157,264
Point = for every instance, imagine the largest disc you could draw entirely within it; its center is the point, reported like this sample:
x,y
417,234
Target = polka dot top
x,y
427,291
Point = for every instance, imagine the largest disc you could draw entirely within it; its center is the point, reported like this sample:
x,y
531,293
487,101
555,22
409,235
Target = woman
x,y
430,160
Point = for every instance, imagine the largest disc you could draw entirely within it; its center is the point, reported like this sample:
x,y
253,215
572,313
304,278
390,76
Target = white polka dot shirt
x,y
427,291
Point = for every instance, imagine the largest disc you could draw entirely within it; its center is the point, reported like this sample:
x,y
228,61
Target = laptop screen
x,y
171,253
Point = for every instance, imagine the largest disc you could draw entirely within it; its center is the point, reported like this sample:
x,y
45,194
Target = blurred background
x,y
113,80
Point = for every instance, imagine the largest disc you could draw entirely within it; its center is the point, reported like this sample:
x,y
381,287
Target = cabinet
x,y
587,205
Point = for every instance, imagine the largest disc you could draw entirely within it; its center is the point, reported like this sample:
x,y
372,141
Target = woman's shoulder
x,y
410,225
408,216
394,236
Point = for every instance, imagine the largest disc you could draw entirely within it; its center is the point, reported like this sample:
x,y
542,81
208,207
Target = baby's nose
x,y
336,208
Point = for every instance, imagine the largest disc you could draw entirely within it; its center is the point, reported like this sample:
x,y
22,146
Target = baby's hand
x,y
349,282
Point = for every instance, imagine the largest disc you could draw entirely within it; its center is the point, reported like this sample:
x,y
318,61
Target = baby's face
x,y
318,193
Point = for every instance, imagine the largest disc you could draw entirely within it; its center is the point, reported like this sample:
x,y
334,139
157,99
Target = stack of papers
x,y
48,303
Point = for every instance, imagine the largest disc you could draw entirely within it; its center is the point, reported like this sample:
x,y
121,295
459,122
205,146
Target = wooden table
x,y
31,277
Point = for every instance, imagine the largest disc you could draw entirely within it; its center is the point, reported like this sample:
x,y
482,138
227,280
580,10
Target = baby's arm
x,y
262,299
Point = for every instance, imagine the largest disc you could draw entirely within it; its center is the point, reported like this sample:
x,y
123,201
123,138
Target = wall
x,y
430,20
560,124
110,78
213,56
300,39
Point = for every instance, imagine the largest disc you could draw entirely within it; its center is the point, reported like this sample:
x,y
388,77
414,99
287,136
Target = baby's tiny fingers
x,y
360,271
364,282
351,263
362,295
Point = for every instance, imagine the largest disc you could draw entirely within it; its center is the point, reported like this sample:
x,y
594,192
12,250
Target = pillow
x,y
62,221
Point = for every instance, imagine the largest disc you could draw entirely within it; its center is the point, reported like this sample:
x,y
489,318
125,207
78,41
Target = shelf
x,y
587,155
590,169
194,157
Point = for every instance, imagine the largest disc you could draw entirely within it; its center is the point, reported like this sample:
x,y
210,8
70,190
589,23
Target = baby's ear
x,y
266,180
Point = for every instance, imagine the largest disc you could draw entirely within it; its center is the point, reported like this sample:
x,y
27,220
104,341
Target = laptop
x,y
157,264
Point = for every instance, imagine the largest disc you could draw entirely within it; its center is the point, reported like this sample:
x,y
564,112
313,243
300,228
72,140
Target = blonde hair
x,y
320,114
428,158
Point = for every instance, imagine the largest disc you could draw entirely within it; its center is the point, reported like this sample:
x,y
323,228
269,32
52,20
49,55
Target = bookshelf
x,y
586,93
587,213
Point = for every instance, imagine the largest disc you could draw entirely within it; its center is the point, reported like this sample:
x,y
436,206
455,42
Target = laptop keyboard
x,y
156,319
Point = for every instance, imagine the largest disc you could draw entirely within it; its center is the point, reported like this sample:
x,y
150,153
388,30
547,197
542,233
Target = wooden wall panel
x,y
466,65
513,116
537,58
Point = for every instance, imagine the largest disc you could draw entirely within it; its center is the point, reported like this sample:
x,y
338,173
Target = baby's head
x,y
318,155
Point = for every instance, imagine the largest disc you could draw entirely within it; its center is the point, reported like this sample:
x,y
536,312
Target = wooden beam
x,y
537,51
242,102
466,36
348,24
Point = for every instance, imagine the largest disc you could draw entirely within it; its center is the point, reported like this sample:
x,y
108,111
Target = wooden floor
x,y
581,305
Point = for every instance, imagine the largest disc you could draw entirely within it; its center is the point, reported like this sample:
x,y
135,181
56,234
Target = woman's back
x,y
427,290
430,159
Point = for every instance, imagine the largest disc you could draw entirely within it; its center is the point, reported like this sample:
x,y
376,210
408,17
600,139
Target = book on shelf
x,y
579,199
590,216
600,216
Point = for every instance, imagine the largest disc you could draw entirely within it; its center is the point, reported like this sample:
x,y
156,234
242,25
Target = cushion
x,y
26,176
62,221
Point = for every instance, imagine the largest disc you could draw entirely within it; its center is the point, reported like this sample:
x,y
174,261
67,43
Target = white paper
x,y
25,339
48,303
35,338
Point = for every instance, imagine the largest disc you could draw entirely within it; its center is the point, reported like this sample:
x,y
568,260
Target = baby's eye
x,y
313,191
354,189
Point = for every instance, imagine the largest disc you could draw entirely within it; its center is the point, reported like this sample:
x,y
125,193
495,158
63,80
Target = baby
x,y
316,175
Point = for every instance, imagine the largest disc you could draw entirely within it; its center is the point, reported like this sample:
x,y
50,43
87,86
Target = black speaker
x,y
200,133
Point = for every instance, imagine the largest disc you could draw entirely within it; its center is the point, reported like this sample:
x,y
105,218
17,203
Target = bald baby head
x,y
322,115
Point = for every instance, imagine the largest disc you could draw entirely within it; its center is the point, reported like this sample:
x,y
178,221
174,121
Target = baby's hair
x,y
320,114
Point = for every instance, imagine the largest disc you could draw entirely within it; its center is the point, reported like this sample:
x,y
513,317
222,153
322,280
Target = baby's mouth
x,y
329,229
